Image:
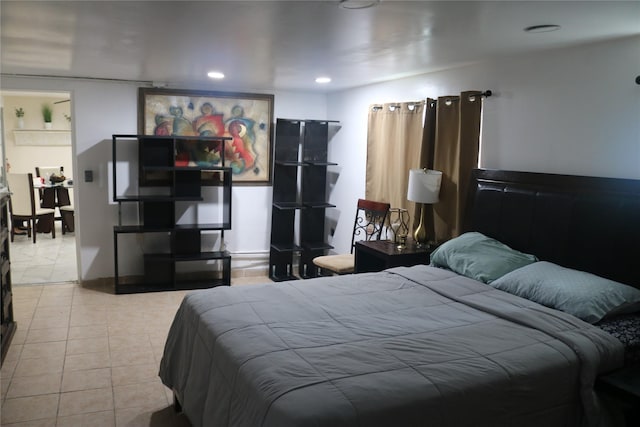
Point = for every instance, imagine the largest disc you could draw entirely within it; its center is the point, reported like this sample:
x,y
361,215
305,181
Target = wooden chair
x,y
368,225
67,211
22,205
47,171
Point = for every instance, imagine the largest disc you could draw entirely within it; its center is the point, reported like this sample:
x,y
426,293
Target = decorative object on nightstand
x,y
424,188
399,225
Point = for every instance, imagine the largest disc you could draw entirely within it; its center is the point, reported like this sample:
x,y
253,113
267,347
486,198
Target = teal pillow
x,y
584,295
479,257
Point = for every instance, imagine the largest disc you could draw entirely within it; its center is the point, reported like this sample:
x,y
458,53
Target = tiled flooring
x,y
83,357
48,260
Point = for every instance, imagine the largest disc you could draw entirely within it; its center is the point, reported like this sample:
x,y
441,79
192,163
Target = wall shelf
x,y
42,137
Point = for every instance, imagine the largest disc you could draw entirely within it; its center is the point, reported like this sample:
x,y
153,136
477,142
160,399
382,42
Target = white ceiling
x,y
285,45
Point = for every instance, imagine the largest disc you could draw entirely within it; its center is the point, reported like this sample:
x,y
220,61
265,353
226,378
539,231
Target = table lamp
x,y
424,187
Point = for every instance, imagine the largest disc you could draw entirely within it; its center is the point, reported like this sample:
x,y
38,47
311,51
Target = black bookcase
x,y
299,186
166,187
8,323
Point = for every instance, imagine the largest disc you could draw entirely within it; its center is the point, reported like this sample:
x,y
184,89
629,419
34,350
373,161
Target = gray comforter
x,y
415,346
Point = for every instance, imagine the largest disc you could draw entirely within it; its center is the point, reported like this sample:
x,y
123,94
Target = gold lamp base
x,y
420,235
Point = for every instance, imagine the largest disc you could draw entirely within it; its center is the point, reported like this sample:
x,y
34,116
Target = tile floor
x,y
87,357
46,261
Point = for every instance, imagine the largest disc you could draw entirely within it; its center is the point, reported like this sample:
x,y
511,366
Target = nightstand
x,y
377,255
622,388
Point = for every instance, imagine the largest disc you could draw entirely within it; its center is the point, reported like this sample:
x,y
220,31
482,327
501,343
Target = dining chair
x,y
368,225
47,171
67,211
22,205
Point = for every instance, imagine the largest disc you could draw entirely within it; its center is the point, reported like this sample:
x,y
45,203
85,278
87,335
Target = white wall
x,y
567,111
101,109
24,158
571,111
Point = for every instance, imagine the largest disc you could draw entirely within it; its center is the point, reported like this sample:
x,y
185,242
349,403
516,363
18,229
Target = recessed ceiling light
x,y
215,75
542,28
357,4
323,80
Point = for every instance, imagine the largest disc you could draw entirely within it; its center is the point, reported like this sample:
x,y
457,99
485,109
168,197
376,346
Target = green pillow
x,y
585,295
479,257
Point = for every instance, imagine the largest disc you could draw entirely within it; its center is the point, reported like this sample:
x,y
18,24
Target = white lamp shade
x,y
424,185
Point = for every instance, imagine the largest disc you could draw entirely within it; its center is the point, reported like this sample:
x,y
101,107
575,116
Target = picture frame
x,y
247,118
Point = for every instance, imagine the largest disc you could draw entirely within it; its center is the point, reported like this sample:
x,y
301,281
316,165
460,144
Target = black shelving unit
x,y
299,186
314,196
167,183
8,323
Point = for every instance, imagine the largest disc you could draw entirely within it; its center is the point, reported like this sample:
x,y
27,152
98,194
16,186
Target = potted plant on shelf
x,y
20,116
47,114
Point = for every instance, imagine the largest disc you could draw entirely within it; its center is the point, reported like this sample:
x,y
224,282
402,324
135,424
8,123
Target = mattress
x,y
408,346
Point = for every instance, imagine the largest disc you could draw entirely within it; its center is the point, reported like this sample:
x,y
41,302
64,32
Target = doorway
x,y
29,143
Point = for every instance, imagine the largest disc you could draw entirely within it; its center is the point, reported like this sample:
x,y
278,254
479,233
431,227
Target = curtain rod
x,y
486,94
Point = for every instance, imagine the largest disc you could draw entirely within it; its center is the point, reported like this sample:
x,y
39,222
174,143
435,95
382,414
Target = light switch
x,y
88,176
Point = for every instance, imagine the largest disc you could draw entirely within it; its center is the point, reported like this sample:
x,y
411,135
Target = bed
x,y
425,345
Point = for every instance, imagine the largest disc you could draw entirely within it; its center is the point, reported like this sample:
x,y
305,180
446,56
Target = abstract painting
x,y
245,118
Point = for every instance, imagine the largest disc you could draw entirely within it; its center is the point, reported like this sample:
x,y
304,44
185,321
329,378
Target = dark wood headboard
x,y
586,223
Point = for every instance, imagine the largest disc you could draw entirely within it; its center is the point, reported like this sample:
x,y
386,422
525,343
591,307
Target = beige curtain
x,y
455,152
394,144
449,142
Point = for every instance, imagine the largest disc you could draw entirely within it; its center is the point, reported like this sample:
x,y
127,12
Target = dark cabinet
x,y
172,184
299,197
8,322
